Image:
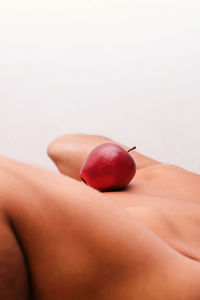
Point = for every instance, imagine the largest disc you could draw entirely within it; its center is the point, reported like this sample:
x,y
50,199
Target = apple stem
x,y
133,148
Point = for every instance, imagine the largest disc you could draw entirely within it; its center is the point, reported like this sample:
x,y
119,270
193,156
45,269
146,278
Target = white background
x,y
126,69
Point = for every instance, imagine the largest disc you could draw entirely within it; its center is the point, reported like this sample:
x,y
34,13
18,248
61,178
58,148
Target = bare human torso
x,y
167,199
164,197
73,242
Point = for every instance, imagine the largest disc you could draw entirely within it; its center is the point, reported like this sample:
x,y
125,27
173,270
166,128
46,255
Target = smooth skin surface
x,y
73,242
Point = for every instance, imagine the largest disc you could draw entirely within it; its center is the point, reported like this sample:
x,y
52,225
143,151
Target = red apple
x,y
108,167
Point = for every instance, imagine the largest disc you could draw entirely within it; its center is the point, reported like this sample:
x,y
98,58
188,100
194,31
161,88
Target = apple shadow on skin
x,y
126,188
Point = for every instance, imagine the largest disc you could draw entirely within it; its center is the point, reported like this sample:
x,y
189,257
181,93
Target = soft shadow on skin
x,y
127,188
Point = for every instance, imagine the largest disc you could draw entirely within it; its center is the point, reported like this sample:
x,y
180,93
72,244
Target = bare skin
x,y
73,242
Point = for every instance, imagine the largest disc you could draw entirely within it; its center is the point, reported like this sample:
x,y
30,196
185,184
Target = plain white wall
x,y
126,69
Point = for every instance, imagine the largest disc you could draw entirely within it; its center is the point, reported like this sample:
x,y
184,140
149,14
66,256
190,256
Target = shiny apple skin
x,y
108,167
